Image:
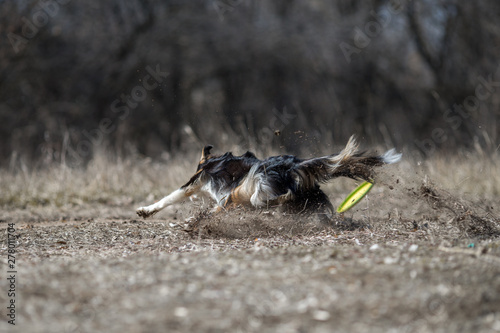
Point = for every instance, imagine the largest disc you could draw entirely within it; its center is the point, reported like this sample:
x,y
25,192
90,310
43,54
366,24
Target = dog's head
x,y
225,170
205,156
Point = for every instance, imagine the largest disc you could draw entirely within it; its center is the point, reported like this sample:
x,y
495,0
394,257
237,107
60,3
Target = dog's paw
x,y
144,212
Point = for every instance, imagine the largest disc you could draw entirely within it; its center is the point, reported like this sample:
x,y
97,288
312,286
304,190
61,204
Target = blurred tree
x,y
73,75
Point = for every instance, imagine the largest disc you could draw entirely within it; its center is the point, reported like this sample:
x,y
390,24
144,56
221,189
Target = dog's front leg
x,y
174,197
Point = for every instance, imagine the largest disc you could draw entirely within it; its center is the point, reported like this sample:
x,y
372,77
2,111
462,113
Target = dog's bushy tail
x,y
348,163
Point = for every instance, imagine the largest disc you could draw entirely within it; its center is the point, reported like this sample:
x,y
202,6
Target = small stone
x,y
390,260
413,248
321,315
181,312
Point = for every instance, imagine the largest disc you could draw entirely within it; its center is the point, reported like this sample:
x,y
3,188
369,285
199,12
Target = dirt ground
x,y
410,257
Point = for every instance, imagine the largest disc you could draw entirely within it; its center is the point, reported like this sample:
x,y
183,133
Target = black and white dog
x,y
285,180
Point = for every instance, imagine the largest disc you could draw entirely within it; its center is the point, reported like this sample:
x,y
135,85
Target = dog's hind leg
x,y
174,197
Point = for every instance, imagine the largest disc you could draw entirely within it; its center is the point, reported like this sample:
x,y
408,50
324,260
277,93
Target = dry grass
x,y
119,181
104,180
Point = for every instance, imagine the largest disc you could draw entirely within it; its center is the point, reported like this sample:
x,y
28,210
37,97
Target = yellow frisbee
x,y
355,197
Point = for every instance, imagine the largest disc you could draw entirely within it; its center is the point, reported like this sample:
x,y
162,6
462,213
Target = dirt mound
x,y
410,205
242,224
471,220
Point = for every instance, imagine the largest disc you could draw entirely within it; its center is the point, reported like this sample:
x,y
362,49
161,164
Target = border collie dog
x,y
286,181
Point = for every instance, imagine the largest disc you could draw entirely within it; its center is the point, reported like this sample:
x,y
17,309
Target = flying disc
x,y
355,196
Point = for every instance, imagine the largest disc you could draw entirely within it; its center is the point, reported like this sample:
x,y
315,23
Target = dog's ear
x,y
205,153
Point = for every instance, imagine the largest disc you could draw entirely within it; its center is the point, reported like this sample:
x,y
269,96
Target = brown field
x,y
420,254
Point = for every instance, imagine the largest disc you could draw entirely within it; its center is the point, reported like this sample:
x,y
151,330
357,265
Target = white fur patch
x,y
350,149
